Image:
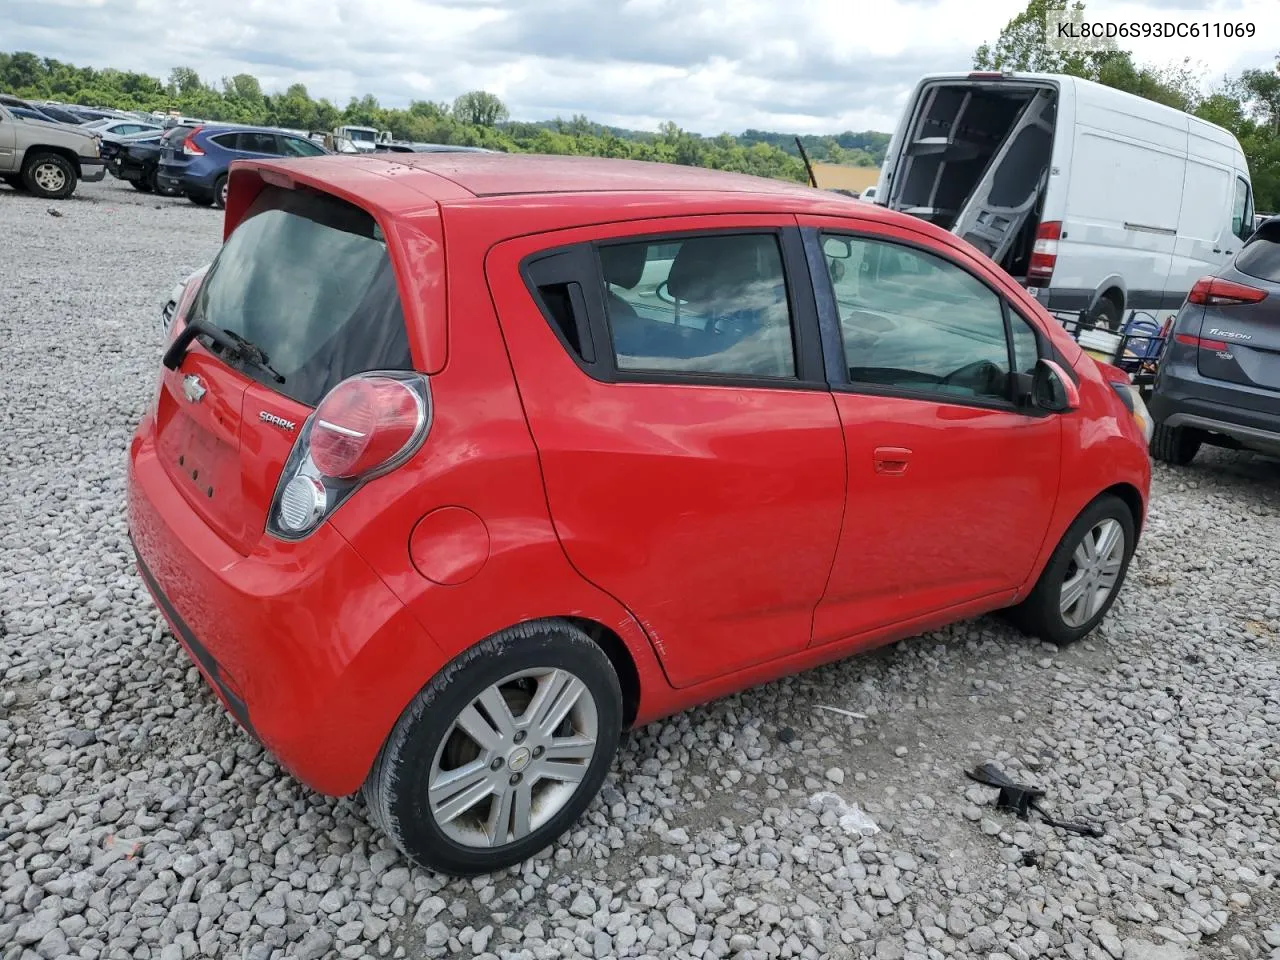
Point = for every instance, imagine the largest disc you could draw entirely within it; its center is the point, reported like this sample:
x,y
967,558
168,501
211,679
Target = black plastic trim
x,y
202,656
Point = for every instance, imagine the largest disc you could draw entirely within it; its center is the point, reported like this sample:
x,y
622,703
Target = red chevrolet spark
x,y
460,464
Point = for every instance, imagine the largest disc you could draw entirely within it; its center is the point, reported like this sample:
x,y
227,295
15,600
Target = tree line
x,y
476,118
1248,105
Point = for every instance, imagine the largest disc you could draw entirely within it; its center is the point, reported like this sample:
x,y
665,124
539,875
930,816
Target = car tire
x,y
1076,566
1176,446
49,176
450,726
200,199
220,192
1105,313
142,186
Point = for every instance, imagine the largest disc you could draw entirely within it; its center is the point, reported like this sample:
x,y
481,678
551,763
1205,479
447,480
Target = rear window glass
x,y
306,278
177,136
1261,257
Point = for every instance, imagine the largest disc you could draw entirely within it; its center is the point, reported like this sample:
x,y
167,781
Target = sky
x,y
712,66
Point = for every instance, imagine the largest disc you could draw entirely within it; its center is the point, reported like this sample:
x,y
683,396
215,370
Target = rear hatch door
x,y
306,278
171,154
1248,323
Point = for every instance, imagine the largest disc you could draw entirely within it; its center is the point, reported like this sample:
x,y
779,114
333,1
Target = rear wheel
x,y
49,176
501,752
220,192
200,199
1084,575
1105,313
143,186
1174,445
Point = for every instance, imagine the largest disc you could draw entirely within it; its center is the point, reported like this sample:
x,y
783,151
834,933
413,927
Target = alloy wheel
x,y
1093,573
513,758
49,176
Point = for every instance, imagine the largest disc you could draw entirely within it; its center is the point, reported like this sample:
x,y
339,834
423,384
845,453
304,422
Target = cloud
x,y
709,65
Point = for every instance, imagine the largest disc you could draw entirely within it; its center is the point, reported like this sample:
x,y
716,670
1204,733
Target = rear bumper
x,y
92,171
1180,401
304,645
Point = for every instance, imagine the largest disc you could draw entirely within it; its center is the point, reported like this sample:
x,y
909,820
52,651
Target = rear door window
x,y
229,140
251,142
307,279
699,304
1261,257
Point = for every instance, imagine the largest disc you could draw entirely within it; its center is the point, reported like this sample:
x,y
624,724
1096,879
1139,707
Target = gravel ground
x,y
137,821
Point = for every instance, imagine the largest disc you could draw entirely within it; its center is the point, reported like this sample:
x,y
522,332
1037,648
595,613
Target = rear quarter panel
x,y
479,456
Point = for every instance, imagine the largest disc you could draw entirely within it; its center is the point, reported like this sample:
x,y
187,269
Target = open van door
x,y
998,208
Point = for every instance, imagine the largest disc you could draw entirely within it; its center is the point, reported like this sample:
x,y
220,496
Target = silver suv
x,y
48,159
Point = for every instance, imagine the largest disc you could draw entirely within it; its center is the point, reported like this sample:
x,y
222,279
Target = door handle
x,y
892,461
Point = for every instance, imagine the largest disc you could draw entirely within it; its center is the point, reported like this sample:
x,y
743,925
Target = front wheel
x,y
1084,575
501,752
49,176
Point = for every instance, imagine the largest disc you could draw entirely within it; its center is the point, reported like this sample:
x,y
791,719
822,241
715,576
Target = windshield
x,y
306,278
366,135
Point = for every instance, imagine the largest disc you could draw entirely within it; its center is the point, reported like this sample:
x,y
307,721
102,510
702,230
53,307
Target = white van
x,y
1095,199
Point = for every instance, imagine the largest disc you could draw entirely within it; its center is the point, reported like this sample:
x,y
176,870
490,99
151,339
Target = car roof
x,y
238,127
503,174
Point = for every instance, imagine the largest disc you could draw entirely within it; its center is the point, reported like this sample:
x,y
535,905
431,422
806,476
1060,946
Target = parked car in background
x,y
113,143
124,128
406,146
43,156
1219,379
31,113
869,194
92,114
455,472
1095,199
59,113
198,163
137,161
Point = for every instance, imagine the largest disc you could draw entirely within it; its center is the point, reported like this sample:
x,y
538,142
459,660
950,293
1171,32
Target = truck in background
x,y
1098,201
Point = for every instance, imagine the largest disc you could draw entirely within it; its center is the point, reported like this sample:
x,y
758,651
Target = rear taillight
x,y
364,427
1044,255
362,424
1200,343
189,145
1216,292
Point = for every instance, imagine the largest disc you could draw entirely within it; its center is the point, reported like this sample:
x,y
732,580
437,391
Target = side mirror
x,y
1052,389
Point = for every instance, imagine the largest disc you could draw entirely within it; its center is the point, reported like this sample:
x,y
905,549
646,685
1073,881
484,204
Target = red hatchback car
x,y
461,464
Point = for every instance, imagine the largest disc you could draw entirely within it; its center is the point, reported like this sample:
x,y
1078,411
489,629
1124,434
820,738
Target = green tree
x,y
480,108
183,81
